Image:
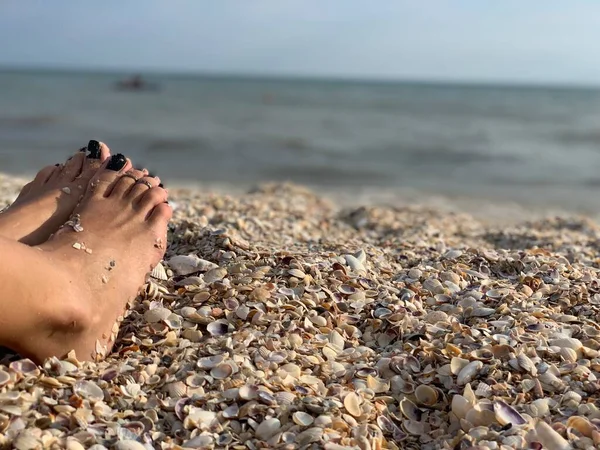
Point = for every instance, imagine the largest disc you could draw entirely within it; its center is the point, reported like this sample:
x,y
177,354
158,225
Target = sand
x,y
279,319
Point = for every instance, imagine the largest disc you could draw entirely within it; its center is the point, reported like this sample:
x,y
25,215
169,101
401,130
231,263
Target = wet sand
x,y
280,319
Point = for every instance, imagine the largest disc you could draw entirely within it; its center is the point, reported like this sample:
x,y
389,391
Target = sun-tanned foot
x,y
122,222
47,202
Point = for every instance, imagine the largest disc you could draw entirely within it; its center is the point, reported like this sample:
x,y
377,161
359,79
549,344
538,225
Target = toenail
x,y
57,165
94,149
161,185
83,149
117,162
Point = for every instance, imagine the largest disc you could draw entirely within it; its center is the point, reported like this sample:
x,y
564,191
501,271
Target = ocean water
x,y
535,146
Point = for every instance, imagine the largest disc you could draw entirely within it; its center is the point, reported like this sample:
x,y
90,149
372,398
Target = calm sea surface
x,y
536,146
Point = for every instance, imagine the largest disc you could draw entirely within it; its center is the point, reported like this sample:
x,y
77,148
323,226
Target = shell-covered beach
x,y
280,320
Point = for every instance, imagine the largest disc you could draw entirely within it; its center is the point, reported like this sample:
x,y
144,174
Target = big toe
x,y
110,172
97,153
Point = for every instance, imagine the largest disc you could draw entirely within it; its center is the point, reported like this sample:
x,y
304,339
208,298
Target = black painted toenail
x,y
57,165
161,185
117,162
83,149
94,149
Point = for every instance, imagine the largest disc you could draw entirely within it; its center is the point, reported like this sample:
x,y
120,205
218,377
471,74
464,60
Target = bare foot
x,y
116,235
47,202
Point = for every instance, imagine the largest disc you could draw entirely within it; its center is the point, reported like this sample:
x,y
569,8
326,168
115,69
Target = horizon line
x,y
282,76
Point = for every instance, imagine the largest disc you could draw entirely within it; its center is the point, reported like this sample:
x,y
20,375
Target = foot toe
x,y
139,189
97,153
150,199
127,182
112,170
44,175
159,217
72,168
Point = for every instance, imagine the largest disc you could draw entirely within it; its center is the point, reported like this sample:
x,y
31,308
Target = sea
x,y
472,145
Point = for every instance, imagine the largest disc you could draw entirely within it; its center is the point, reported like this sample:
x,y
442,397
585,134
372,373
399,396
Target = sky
x,y
532,41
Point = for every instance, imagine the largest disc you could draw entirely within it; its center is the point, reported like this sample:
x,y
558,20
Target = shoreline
x,y
280,318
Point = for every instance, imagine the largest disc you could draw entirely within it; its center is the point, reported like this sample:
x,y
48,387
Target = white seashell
x,y
482,312
202,417
248,392
222,371
267,429
506,414
352,403
426,395
159,272
468,372
354,263
88,389
186,264
231,412
4,377
550,438
210,362
129,444
157,314
218,327
457,364
216,274
302,419
526,363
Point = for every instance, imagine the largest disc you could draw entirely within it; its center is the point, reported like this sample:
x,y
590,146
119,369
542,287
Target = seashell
x,y
457,364
267,429
571,343
285,398
483,390
582,425
184,265
539,408
409,409
176,389
468,372
568,354
426,395
496,293
248,392
479,417
266,397
309,436
218,327
346,289
216,274
460,406
222,371
550,438
296,273
88,389
199,417
506,414
210,362
129,444
526,364
159,272
157,314
4,377
200,441
25,367
377,385
413,427
482,312
231,412
355,264
303,419
352,403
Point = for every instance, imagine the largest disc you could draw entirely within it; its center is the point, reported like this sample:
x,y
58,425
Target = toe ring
x,y
133,177
147,183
